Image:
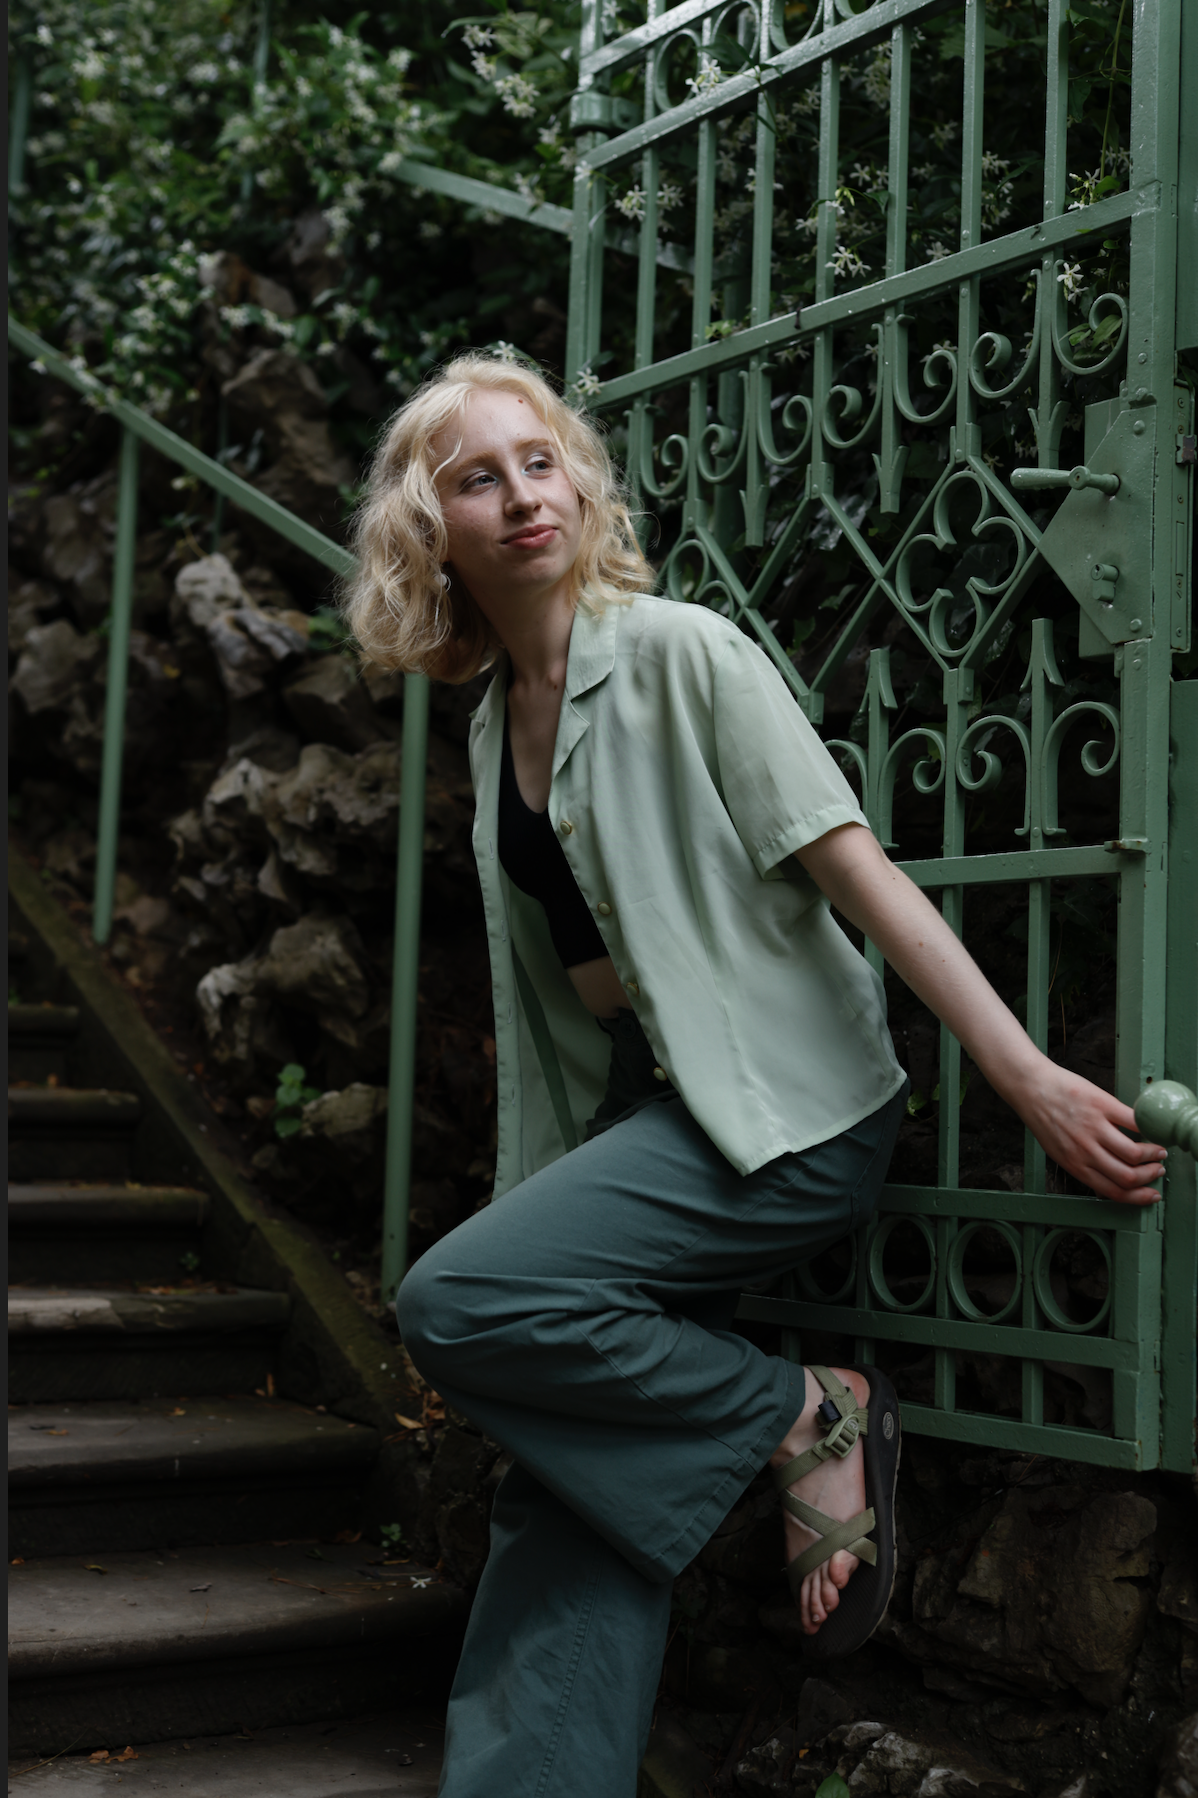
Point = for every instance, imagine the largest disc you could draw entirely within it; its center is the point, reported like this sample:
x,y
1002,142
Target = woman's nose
x,y
522,496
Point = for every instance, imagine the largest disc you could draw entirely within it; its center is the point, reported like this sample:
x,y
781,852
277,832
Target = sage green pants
x,y
584,1321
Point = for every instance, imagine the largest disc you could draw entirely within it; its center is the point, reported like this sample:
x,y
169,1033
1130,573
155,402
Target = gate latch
x,y
1099,541
1025,479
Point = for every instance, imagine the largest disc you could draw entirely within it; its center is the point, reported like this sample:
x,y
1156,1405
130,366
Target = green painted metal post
x,y
18,125
405,981
119,622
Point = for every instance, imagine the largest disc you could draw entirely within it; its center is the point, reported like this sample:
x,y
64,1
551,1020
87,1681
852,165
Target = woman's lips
x,y
534,539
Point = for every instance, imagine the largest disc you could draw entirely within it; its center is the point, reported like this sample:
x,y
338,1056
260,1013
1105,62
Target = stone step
x,y
208,1641
64,1231
69,1133
117,1343
39,1037
107,1476
392,1756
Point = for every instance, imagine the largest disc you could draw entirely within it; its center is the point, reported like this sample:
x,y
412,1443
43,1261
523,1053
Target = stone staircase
x,y
186,1538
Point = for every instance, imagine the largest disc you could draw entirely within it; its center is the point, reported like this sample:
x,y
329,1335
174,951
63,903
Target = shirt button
x,y
603,908
630,986
660,1074
566,827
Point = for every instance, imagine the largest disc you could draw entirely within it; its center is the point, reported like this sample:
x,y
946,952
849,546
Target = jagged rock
x,y
351,1112
1046,1599
55,660
28,604
275,384
317,965
278,394
331,703
307,253
232,280
76,545
767,1768
245,638
914,1764
206,588
822,1707
1179,1767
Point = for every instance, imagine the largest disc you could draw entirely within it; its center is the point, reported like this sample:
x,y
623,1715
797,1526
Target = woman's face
x,y
511,512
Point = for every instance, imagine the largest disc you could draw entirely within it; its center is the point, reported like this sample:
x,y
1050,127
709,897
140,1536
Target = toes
x,y
841,1569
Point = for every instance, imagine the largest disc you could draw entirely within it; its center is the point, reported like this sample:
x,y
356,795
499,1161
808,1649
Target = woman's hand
x,y
1082,1129
1075,1122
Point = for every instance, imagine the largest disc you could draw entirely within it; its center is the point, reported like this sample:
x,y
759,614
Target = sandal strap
x,y
852,1537
842,1434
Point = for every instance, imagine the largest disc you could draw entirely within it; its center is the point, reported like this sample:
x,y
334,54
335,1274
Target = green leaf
x,y
293,1072
285,1127
833,1787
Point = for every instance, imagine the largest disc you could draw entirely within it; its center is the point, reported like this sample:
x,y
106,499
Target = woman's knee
x,y
434,1321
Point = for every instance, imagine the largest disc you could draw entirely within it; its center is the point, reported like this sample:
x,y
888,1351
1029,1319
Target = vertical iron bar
x,y
405,983
18,124
1049,416
261,64
119,622
222,444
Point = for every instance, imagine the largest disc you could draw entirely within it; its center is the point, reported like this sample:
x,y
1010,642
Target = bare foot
x,y
836,1487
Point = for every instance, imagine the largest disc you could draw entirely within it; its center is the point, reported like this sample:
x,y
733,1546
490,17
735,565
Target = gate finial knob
x,y
1167,1112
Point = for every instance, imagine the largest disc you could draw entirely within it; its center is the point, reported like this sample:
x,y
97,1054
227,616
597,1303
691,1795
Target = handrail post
x,y
405,980
120,621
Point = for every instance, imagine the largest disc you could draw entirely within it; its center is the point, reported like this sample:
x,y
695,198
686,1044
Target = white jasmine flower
x,y
709,75
632,204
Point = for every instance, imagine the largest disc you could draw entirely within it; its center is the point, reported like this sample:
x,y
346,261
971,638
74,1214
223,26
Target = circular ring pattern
x,y
811,1289
1042,1285
955,1272
877,1249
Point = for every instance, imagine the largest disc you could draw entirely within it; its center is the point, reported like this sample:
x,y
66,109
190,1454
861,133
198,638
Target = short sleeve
x,y
781,786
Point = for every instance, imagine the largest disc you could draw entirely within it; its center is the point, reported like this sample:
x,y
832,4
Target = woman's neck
x,y
537,639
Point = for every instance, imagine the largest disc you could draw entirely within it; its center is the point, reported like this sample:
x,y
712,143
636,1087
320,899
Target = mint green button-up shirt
x,y
684,778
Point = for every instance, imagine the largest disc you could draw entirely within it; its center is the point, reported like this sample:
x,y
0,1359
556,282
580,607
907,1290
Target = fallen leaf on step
x,y
177,1413
101,1754
17,1561
127,1754
92,1568
206,1588
408,1423
348,1536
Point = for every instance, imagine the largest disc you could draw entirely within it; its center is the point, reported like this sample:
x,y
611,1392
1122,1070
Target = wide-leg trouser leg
x,y
584,1321
554,1692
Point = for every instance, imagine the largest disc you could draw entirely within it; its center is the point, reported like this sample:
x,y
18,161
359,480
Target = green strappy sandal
x,y
863,1601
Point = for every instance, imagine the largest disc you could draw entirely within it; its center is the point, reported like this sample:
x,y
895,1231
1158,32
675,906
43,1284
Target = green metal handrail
x,y
137,427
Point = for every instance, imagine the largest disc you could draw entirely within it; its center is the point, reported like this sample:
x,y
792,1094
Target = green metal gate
x,y
789,431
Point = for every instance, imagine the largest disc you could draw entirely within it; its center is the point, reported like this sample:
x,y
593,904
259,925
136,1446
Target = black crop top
x,y
533,858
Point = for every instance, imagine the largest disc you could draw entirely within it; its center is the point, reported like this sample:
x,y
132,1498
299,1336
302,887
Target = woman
x,y
658,829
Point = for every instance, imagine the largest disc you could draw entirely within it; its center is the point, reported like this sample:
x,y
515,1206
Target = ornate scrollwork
x,y
851,403
1094,319
989,523
1091,757
992,352
927,775
974,744
797,403
675,453
940,359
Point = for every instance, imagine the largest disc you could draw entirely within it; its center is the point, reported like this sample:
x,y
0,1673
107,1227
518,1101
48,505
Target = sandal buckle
x,y
842,1438
828,1413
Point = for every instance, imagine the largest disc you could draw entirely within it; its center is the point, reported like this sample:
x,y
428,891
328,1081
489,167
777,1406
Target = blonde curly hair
x,y
397,603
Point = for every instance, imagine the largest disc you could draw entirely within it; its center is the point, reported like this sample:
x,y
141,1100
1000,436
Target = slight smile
x,y
535,537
